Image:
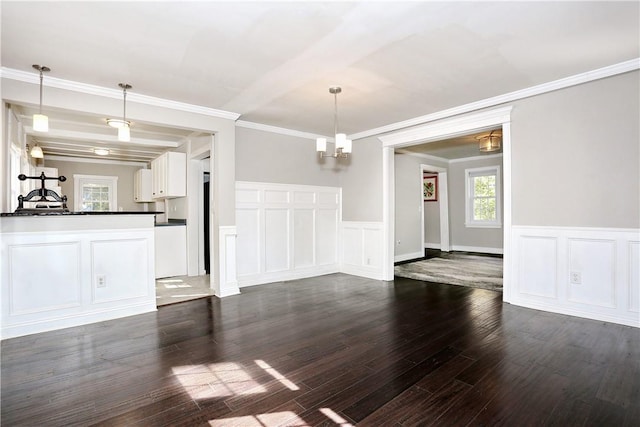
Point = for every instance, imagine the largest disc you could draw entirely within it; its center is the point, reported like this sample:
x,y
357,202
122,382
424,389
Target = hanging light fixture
x,y
40,121
342,144
36,152
489,143
123,125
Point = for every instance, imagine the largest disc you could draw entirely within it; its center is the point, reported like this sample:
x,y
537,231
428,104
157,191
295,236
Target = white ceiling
x,y
273,63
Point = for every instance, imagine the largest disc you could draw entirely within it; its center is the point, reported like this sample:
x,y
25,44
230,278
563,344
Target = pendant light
x,y
123,125
40,121
489,143
342,144
36,152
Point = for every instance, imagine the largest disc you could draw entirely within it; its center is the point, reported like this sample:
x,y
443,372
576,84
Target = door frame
x,y
443,198
444,129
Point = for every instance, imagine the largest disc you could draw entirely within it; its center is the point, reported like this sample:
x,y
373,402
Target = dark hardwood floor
x,y
331,350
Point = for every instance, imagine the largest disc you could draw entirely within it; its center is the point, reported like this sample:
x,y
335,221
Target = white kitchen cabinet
x,y
169,176
171,250
142,186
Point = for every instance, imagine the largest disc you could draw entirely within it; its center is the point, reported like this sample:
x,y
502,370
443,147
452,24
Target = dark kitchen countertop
x,y
172,222
52,212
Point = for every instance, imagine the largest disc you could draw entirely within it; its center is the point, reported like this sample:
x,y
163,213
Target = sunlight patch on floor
x,y
277,375
333,416
221,379
184,285
261,420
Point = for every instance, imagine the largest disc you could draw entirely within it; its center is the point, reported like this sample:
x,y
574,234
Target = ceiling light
x,y
40,121
101,151
123,125
36,152
489,143
342,144
117,123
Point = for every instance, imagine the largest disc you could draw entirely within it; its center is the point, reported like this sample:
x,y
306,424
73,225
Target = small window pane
x,y
485,186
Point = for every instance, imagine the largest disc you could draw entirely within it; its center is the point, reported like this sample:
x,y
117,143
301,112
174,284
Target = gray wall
x,y
575,156
270,157
362,182
575,159
431,211
124,173
461,235
408,191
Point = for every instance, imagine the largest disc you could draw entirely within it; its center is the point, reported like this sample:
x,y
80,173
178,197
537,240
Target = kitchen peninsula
x,y
62,269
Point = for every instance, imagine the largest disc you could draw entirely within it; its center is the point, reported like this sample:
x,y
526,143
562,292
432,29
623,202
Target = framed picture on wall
x,y
430,187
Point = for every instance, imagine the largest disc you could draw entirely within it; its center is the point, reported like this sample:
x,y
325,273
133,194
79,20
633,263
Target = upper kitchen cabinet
x,y
142,186
169,176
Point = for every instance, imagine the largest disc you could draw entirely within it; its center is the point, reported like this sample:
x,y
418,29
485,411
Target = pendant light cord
x,y
335,117
41,79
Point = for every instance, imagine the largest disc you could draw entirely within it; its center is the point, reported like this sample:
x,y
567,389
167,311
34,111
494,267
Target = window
x,y
95,193
483,197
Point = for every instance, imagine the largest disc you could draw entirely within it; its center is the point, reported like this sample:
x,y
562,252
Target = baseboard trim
x,y
432,246
62,322
282,276
479,249
578,313
355,270
407,257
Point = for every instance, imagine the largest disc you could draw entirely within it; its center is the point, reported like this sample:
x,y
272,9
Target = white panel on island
x,y
58,271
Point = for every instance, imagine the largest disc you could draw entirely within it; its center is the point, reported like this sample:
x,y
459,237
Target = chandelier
x,y
342,144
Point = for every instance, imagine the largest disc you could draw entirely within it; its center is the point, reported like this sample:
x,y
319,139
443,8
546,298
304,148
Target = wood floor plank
x,y
328,350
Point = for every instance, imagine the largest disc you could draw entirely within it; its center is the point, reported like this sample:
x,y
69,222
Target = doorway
x,y
446,128
205,212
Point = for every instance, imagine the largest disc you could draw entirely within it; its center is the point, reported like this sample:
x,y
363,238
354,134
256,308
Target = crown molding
x,y
27,77
279,130
600,73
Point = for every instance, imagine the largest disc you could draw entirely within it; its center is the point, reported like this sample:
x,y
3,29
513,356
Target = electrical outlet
x,y
576,277
101,281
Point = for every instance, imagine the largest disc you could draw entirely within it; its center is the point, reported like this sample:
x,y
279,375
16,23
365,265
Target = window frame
x,y
470,221
79,181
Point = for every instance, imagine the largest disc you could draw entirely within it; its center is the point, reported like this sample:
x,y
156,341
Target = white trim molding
x,y
228,280
279,130
286,231
443,130
585,272
362,249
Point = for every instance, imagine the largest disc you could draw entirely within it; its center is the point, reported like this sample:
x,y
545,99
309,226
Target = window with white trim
x,y
95,193
483,197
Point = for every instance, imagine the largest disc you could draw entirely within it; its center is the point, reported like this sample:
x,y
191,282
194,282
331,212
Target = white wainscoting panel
x,y
49,279
595,261
586,272
26,292
303,236
276,238
227,243
249,241
362,244
633,251
123,264
538,273
286,232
